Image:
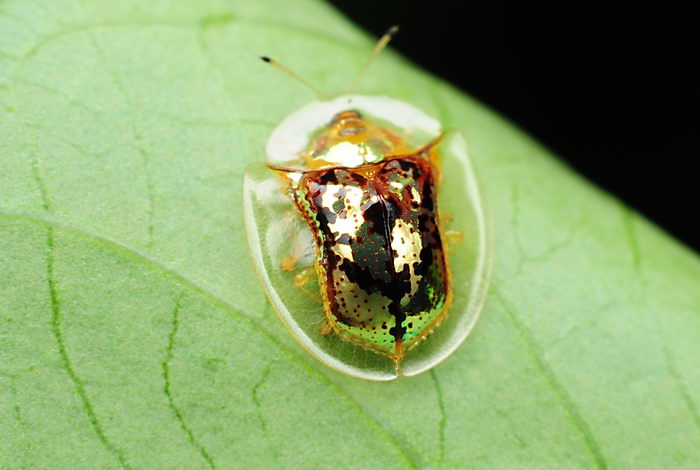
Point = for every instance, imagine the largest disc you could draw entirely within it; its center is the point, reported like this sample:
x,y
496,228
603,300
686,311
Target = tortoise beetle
x,y
353,197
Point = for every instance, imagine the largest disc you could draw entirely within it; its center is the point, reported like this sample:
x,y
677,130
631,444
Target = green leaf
x,y
133,331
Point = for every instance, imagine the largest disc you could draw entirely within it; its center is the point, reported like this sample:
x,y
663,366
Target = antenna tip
x,y
266,59
393,30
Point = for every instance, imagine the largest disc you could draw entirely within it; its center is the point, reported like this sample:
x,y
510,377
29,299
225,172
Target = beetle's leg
x,y
288,263
299,241
451,236
304,276
300,250
446,218
325,328
454,236
300,259
299,263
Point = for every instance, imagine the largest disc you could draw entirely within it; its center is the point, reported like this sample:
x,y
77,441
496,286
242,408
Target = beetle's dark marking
x,y
327,177
359,179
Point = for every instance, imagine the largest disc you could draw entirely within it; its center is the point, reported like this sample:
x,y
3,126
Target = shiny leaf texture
x,y
135,335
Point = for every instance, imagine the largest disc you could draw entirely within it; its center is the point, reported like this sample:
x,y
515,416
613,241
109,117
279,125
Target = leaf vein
x,y
256,398
559,390
57,331
229,309
443,416
167,385
638,262
136,141
525,256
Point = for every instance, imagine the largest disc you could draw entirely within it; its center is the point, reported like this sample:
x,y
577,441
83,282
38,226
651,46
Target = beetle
x,y
362,174
369,202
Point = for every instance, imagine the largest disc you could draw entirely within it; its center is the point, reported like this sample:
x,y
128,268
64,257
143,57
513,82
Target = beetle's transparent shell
x,y
278,232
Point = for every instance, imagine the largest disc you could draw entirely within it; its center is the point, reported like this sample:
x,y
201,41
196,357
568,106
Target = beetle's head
x,y
350,141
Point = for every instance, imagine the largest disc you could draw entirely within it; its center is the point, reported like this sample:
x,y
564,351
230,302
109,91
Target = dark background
x,y
610,87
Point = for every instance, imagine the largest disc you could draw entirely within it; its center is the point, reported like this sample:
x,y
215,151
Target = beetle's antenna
x,y
381,44
284,69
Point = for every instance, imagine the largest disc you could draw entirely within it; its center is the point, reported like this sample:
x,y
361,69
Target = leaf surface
x,y
134,333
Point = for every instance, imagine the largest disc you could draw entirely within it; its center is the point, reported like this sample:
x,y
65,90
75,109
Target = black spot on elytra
x,y
328,177
422,301
427,198
361,276
359,179
374,214
398,330
406,165
423,220
324,217
426,259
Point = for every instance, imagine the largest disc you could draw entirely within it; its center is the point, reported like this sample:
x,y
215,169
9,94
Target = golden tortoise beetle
x,y
351,197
